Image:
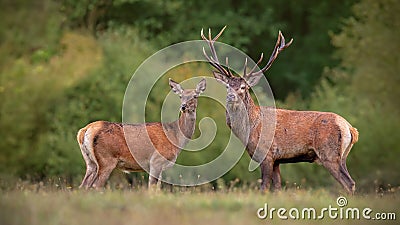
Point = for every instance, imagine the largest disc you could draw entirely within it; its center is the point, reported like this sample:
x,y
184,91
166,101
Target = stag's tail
x,y
354,138
354,135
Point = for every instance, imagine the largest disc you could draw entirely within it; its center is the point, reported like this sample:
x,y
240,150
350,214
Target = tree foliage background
x,y
65,64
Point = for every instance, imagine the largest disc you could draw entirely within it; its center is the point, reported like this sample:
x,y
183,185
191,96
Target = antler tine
x,y
210,60
279,46
255,66
210,42
227,64
213,59
219,34
202,34
245,67
283,45
215,64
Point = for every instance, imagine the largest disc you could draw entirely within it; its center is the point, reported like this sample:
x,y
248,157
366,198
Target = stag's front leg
x,y
276,177
266,174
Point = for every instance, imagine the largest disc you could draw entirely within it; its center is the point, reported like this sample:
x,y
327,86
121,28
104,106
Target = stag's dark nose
x,y
183,107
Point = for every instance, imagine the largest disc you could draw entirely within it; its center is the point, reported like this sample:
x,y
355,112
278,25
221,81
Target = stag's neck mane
x,y
242,119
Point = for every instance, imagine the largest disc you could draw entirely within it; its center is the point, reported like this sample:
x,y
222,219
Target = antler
x,y
279,46
213,59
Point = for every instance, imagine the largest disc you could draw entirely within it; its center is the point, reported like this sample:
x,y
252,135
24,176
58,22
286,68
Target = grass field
x,y
36,204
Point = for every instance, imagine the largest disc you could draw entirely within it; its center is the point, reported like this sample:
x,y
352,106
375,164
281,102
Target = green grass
x,y
53,204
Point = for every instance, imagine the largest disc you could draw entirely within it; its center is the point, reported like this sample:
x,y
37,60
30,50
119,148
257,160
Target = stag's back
x,y
296,132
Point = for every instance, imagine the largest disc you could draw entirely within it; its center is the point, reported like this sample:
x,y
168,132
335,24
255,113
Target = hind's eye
x,y
243,87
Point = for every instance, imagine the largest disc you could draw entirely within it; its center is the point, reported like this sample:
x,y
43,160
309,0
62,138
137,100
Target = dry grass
x,y
40,204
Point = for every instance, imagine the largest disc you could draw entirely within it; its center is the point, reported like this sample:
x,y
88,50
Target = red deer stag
x,y
104,147
276,136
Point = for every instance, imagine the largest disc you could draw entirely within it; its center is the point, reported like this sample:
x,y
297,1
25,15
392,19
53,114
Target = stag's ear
x,y
176,88
253,80
220,77
201,86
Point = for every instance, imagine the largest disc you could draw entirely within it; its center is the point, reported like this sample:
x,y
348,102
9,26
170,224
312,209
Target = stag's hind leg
x,y
344,173
340,174
343,169
331,146
276,177
351,185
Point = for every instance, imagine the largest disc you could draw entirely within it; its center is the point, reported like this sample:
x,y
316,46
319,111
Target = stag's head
x,y
238,86
189,96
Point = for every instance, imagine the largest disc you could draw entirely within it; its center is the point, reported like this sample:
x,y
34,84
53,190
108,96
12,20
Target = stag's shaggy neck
x,y
242,117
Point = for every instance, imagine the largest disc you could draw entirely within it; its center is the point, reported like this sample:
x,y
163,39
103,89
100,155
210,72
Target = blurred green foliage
x,y
63,65
252,27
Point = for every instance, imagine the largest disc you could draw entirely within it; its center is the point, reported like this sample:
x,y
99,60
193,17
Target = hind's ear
x,y
201,86
176,88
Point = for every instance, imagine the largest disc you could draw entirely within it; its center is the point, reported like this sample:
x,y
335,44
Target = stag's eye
x,y
242,87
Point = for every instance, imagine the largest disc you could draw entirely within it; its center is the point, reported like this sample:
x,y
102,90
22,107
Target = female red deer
x,y
274,136
156,145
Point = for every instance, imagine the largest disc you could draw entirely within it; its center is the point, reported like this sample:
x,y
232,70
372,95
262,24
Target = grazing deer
x,y
154,146
274,136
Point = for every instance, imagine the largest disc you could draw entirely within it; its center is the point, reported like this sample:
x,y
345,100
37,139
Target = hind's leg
x,y
91,169
89,176
106,166
154,176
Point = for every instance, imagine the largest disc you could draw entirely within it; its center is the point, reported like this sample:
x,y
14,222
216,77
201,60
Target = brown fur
x,y
297,136
151,147
274,136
